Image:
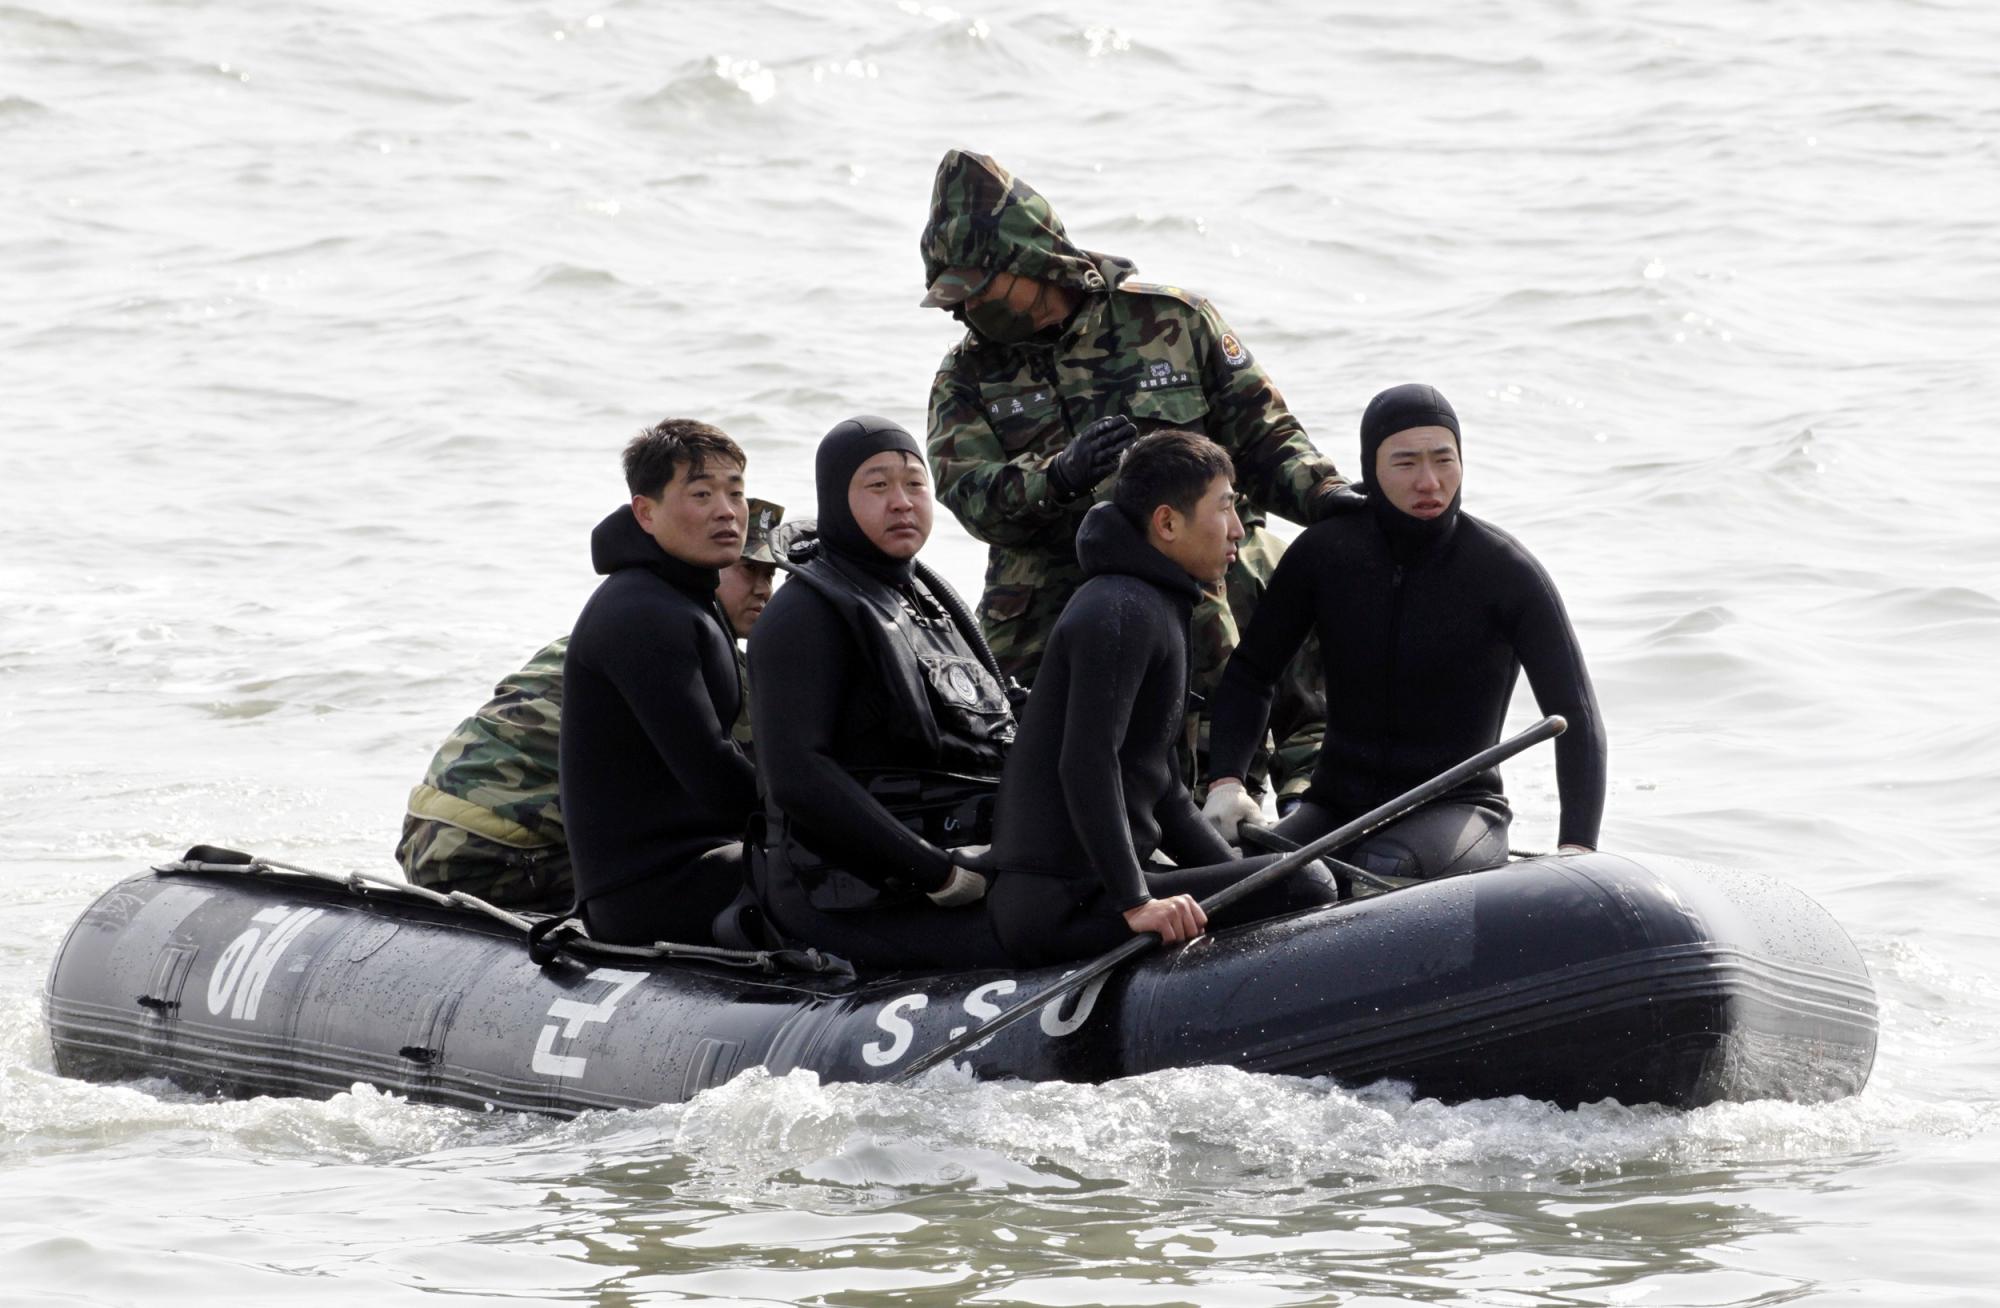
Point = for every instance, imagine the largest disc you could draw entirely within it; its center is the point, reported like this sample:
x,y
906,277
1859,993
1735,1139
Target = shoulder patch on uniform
x,y
1233,352
1193,299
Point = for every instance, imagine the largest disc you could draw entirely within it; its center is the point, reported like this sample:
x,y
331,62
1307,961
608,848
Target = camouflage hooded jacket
x,y
1160,354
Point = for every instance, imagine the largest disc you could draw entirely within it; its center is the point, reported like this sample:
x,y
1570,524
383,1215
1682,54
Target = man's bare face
x,y
1418,470
744,591
699,518
890,498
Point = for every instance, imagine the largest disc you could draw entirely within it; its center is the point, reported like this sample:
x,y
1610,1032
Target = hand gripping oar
x,y
1547,729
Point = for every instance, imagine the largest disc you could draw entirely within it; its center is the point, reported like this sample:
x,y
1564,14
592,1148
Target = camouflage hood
x,y
982,216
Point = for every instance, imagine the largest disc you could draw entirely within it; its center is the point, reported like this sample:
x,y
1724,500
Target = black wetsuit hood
x,y
1109,544
1397,410
842,450
619,542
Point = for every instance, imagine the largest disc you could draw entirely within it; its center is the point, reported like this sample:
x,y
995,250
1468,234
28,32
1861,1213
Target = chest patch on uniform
x,y
1020,415
1163,374
1015,406
964,684
1233,352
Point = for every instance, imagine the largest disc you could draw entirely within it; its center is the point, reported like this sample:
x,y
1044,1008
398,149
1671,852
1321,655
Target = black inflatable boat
x,y
1568,979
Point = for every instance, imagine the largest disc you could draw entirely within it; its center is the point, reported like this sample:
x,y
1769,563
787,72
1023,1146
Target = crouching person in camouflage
x,y
486,819
1067,359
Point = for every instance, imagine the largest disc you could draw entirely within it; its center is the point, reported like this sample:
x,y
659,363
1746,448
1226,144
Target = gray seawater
x,y
320,328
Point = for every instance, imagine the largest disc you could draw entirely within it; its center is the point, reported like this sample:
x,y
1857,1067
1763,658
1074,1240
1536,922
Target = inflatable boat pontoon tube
x,y
1569,979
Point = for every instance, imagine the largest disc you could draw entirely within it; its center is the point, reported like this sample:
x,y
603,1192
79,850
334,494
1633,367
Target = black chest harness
x,y
948,708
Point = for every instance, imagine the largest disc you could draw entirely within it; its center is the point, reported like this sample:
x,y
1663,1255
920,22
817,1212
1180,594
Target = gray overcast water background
x,y
321,325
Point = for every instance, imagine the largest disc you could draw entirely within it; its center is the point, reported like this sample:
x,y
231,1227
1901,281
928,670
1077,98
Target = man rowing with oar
x,y
1091,793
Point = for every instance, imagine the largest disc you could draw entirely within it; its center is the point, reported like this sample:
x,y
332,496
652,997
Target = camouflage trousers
x,y
444,858
1017,619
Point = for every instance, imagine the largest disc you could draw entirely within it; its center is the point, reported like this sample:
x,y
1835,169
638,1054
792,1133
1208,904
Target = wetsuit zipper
x,y
1192,707
1393,687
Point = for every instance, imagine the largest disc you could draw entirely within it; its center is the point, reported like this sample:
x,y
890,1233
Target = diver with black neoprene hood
x,y
881,725
1426,617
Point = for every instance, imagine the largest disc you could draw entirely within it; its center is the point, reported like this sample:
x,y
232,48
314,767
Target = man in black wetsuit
x,y
881,722
1425,615
1091,792
655,794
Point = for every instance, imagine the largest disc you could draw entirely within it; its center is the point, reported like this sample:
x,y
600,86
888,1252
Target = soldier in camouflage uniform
x,y
744,591
486,819
1062,342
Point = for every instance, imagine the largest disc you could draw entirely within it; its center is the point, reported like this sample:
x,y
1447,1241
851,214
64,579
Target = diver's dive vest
x,y
949,713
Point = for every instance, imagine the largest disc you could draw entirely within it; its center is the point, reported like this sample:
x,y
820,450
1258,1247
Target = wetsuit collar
x,y
619,542
1410,538
1108,543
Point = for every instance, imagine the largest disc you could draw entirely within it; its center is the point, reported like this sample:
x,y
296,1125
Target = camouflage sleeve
x,y
999,501
1276,463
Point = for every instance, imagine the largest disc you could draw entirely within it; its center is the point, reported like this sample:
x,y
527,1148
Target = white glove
x,y
964,887
1228,808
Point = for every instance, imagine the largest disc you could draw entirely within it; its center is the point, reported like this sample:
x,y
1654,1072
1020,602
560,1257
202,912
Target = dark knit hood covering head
x,y
1397,410
841,451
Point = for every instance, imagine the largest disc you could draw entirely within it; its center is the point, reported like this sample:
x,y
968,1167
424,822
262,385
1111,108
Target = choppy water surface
x,y
321,325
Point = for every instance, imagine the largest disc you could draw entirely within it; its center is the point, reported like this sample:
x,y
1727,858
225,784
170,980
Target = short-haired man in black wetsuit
x,y
1426,615
655,794
1092,792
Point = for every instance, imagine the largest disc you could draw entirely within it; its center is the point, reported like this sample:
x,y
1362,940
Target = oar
x,y
1271,842
1268,840
1548,728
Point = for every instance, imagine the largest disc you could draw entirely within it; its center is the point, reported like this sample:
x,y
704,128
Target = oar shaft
x,y
1268,840
1383,814
1547,728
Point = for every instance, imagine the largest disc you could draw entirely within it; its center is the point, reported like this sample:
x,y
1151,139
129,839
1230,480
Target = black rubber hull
x,y
1570,980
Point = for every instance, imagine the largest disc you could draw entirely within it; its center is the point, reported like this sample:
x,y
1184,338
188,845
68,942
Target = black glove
x,y
1335,500
1092,456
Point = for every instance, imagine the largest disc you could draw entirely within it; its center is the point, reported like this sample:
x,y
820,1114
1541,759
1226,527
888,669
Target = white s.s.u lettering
x,y
246,963
979,1005
897,1027
573,1015
1055,1024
